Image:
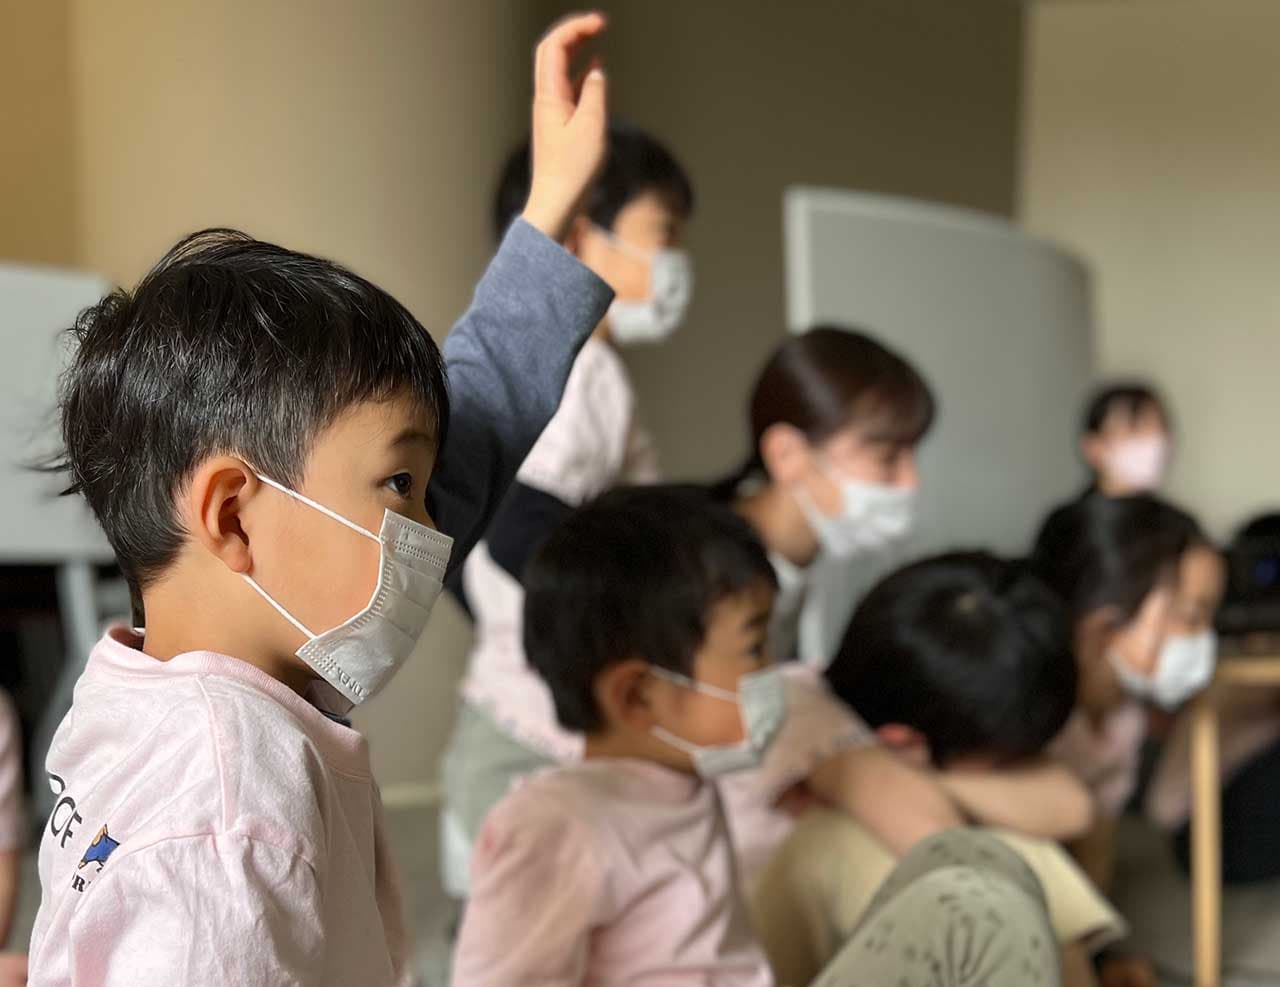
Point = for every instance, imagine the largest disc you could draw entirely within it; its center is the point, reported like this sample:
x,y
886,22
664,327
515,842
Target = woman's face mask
x,y
873,510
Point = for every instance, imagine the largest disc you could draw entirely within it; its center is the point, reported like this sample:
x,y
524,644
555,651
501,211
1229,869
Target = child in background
x,y
629,233
243,424
962,664
1116,563
647,612
1126,442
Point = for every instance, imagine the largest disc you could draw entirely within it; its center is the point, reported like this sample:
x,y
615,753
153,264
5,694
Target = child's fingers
x,y
555,51
593,99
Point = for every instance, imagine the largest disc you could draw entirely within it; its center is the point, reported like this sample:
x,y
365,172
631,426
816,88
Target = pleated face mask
x,y
360,655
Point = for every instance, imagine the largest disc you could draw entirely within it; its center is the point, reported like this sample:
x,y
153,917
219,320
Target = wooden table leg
x,y
1206,842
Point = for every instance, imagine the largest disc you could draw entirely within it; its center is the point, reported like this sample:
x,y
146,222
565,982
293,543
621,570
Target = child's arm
x,y
899,804
208,909
509,356
1040,798
1095,852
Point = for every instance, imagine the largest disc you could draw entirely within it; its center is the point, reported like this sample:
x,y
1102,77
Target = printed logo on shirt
x,y
102,847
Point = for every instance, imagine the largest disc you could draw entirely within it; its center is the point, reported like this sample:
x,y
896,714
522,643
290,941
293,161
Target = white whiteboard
x,y
36,305
1000,324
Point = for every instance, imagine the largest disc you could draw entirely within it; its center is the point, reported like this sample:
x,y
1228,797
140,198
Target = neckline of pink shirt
x,y
119,652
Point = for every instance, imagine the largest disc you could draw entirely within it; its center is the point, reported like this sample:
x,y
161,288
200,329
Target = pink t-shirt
x,y
1106,757
591,445
13,834
818,725
607,872
211,827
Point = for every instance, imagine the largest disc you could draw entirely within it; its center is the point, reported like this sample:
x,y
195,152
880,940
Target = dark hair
x,y
971,650
825,378
637,163
634,574
1128,397
228,345
1112,551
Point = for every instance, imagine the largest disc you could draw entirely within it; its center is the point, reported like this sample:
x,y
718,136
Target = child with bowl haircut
x,y
269,442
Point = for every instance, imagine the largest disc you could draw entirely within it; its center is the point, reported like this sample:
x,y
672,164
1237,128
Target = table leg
x,y
1206,842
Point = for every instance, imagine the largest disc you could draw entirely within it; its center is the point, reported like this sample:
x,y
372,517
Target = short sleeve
x,y
199,910
537,893
12,829
1077,909
818,726
581,453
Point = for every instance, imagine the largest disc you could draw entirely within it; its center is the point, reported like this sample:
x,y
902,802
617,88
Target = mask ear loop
x,y
327,512
318,506
714,691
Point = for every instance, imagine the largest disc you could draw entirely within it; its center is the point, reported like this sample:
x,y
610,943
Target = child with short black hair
x,y
647,611
962,664
243,424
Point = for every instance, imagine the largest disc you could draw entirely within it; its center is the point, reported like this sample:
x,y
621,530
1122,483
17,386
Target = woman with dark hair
x,y
835,420
1120,565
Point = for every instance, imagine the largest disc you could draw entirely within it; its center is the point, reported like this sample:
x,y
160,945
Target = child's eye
x,y
401,483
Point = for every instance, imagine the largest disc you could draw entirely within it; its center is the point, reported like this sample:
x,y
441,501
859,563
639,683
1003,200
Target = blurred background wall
x,y
1151,142
373,133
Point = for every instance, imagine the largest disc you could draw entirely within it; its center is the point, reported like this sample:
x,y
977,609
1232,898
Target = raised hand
x,y
569,136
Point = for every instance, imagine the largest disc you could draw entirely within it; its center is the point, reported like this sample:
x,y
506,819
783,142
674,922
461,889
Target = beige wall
x,y
373,132
1151,147
911,97
367,132
37,161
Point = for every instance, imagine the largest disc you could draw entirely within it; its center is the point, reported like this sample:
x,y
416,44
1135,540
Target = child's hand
x,y
569,138
13,969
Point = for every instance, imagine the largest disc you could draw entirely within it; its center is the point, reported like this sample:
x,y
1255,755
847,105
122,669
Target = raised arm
x,y
509,356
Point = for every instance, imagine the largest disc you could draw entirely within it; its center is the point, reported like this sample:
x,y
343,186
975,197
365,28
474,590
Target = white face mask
x,y
1139,463
872,518
654,319
1184,667
762,704
359,656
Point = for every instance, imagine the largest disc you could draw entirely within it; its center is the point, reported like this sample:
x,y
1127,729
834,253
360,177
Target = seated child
x,y
1118,564
243,424
962,664
647,612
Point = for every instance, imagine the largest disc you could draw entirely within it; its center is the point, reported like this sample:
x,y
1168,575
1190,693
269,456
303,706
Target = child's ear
x,y
622,693
215,499
907,742
785,452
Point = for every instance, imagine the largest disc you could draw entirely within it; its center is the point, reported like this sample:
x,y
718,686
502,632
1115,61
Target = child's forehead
x,y
377,424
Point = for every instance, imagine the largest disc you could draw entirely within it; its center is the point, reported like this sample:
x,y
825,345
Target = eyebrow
x,y
413,436
759,622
